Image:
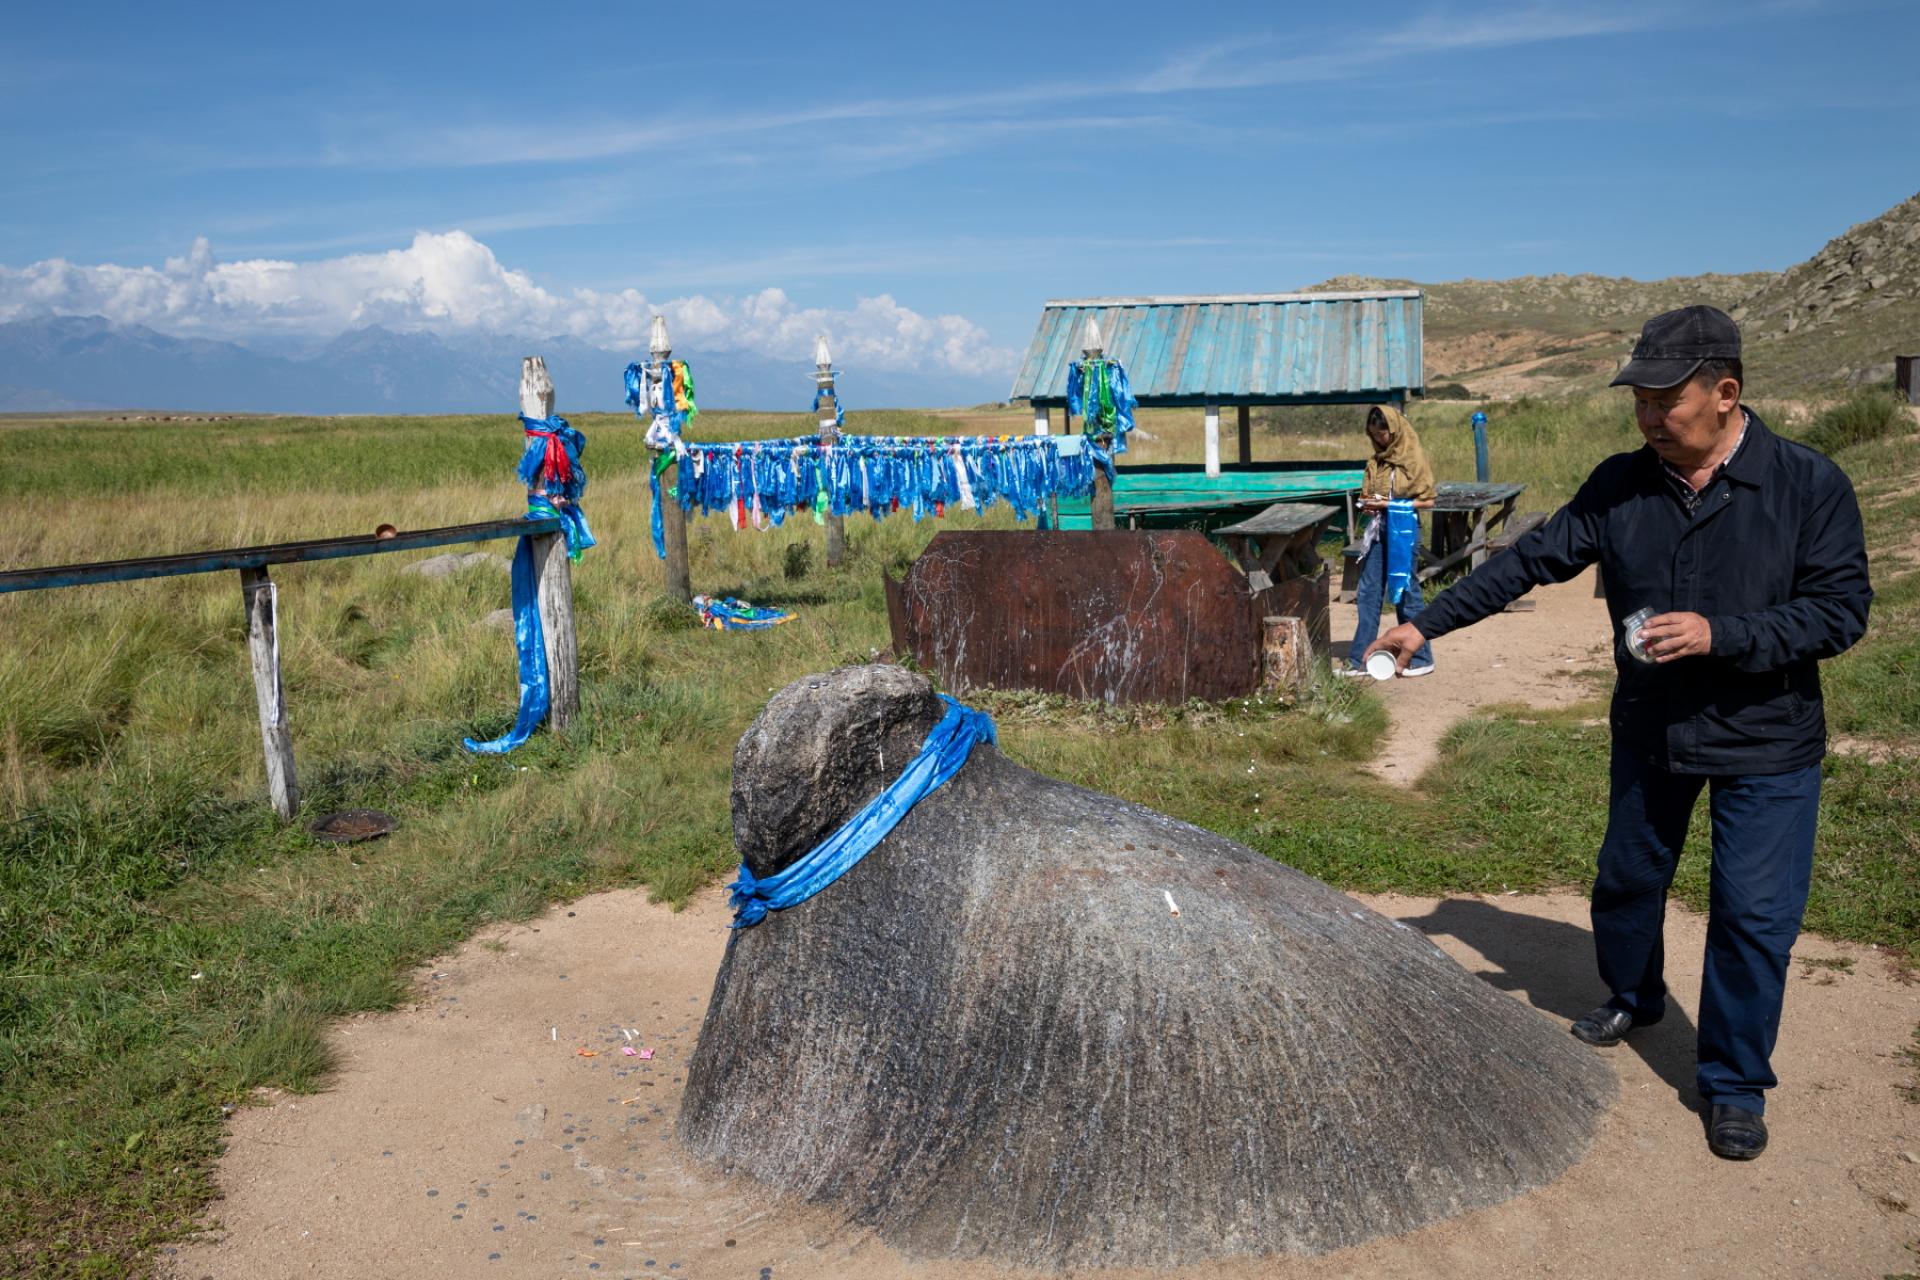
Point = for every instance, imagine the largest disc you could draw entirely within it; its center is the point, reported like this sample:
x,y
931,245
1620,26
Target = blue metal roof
x,y
1286,348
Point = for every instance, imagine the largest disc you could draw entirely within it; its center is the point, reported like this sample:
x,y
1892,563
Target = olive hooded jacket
x,y
1400,468
1773,557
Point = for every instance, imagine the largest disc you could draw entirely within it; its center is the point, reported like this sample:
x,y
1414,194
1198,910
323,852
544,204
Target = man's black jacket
x,y
1773,557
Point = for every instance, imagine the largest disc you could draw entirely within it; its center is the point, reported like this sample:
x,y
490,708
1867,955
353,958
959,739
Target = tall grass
x,y
1863,417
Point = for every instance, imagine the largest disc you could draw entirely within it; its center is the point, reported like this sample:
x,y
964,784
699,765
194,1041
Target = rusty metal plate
x,y
1120,616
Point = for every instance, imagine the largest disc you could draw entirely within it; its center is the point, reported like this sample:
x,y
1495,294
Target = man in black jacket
x,y
1747,551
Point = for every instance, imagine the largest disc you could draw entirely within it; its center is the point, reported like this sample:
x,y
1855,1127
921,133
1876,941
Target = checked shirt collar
x,y
1689,496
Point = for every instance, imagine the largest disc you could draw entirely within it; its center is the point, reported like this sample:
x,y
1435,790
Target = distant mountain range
x,y
1838,318
75,363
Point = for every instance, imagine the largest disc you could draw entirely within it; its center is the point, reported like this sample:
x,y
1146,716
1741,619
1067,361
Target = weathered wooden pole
x,y
673,517
1040,423
1246,434
1102,502
1213,439
1102,497
553,576
553,589
829,417
263,647
536,388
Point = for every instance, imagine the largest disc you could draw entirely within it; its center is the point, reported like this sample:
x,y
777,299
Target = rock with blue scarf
x,y
1049,1028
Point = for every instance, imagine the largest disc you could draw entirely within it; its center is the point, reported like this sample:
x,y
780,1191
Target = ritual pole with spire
x,y
673,516
1102,506
826,404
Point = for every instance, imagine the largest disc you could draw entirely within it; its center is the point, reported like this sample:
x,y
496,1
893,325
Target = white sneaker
x,y
1425,669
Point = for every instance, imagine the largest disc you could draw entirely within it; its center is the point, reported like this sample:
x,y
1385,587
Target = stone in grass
x,y
996,1038
452,562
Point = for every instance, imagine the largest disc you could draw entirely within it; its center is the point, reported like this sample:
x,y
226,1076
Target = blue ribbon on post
x,y
1403,534
941,756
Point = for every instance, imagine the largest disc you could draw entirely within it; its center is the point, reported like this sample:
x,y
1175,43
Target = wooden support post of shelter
x,y
1246,434
258,593
1905,384
1213,440
1040,420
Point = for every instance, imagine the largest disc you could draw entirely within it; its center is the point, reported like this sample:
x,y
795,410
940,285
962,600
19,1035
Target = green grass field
x,y
167,947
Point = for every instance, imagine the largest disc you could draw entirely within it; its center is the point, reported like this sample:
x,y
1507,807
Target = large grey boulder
x,y
1044,1026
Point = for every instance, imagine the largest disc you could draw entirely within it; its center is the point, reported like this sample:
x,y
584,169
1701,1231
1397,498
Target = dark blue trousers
x,y
1763,827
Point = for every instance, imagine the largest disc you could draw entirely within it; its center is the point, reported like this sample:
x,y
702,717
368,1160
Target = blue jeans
x,y
1763,827
1369,592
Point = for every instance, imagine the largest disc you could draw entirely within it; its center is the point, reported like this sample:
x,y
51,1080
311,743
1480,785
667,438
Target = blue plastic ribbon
x,y
550,468
1100,395
728,614
941,756
877,475
1402,533
531,642
839,413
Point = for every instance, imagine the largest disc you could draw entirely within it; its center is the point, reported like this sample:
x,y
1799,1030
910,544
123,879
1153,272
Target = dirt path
x,y
467,1136
1527,657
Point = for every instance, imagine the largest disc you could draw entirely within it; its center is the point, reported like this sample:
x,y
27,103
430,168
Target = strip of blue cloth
x,y
1101,414
1403,535
531,642
920,475
941,756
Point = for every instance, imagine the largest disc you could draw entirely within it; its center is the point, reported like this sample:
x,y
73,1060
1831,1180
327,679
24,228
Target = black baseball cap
x,y
1676,343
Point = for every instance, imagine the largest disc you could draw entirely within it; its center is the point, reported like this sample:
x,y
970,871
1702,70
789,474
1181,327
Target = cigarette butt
x,y
1172,906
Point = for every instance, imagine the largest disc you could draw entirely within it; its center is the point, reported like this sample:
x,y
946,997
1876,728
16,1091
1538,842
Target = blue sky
x,y
915,179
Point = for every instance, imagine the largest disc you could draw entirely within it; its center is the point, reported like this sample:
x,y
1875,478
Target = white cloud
x,y
452,282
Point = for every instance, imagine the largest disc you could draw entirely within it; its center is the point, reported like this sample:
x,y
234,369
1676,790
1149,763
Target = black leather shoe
x,y
1607,1026
1733,1134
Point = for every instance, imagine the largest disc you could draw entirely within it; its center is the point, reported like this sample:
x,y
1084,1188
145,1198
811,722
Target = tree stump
x,y
1043,1026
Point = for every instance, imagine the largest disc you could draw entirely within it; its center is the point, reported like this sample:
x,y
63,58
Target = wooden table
x,y
1179,496
1279,551
1466,517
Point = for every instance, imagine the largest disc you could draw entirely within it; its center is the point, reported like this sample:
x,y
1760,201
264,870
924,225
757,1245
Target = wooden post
x,y
1102,493
673,523
1040,422
263,647
673,517
536,388
1213,440
1246,434
553,589
1286,654
830,435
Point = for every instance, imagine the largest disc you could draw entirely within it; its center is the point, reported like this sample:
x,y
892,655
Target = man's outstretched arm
x,y
1558,550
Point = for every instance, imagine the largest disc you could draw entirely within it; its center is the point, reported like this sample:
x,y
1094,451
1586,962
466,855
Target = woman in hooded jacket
x,y
1398,470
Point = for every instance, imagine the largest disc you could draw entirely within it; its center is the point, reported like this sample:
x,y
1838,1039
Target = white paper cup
x,y
1381,666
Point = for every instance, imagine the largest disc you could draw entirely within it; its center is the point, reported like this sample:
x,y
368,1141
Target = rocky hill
x,y
1843,314
1836,319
